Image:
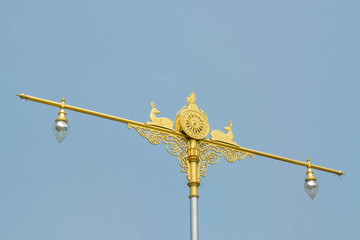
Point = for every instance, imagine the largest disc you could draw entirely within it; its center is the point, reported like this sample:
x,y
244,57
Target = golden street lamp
x,y
186,138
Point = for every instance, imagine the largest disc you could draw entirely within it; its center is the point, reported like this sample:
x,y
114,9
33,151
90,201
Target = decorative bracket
x,y
176,145
210,153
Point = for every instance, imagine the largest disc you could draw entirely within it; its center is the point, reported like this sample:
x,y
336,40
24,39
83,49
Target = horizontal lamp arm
x,y
268,155
97,114
289,160
160,129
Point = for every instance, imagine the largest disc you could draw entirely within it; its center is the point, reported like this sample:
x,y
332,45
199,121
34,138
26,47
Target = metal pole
x,y
194,219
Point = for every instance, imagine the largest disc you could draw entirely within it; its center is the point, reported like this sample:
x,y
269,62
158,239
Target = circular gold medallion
x,y
194,124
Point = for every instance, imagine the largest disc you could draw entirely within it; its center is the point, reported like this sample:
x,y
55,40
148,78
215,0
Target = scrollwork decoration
x,y
175,145
210,154
178,146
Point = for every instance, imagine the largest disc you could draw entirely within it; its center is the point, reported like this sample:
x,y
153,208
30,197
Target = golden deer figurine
x,y
228,137
162,122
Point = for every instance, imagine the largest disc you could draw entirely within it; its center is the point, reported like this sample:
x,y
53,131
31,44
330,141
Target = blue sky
x,y
286,73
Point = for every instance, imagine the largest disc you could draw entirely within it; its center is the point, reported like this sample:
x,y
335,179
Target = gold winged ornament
x,y
192,121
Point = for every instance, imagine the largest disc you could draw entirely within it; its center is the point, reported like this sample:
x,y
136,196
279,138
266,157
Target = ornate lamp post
x,y
186,139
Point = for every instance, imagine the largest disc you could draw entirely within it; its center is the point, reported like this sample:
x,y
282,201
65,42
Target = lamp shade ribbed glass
x,y
311,188
60,130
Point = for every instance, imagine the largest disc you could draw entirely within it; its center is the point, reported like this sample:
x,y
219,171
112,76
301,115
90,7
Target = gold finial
x,y
22,96
191,98
309,172
62,113
191,102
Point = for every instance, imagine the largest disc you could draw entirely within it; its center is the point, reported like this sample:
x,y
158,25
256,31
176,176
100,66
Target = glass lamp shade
x,y
60,130
311,188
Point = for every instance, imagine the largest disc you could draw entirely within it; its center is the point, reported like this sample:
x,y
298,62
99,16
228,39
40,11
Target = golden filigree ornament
x,y
175,145
210,154
192,121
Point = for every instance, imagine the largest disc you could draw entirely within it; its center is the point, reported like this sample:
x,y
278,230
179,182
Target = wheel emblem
x,y
194,124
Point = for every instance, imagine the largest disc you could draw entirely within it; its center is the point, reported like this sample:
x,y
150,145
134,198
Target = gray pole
x,y
194,222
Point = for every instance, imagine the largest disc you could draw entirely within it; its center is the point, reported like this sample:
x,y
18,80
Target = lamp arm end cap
x,y
22,96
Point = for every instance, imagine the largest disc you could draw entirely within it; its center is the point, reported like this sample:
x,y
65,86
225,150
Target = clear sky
x,y
286,73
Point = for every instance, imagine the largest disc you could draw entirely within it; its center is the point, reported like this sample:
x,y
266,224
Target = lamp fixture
x,y
61,126
311,186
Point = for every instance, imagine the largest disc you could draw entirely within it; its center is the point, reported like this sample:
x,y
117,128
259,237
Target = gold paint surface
x,y
176,145
228,137
162,122
192,121
309,172
210,153
193,167
194,124
62,113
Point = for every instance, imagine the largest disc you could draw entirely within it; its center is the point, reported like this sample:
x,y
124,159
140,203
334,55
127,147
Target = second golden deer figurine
x,y
228,137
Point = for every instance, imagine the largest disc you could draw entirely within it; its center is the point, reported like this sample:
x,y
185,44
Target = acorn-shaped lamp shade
x,y
60,130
